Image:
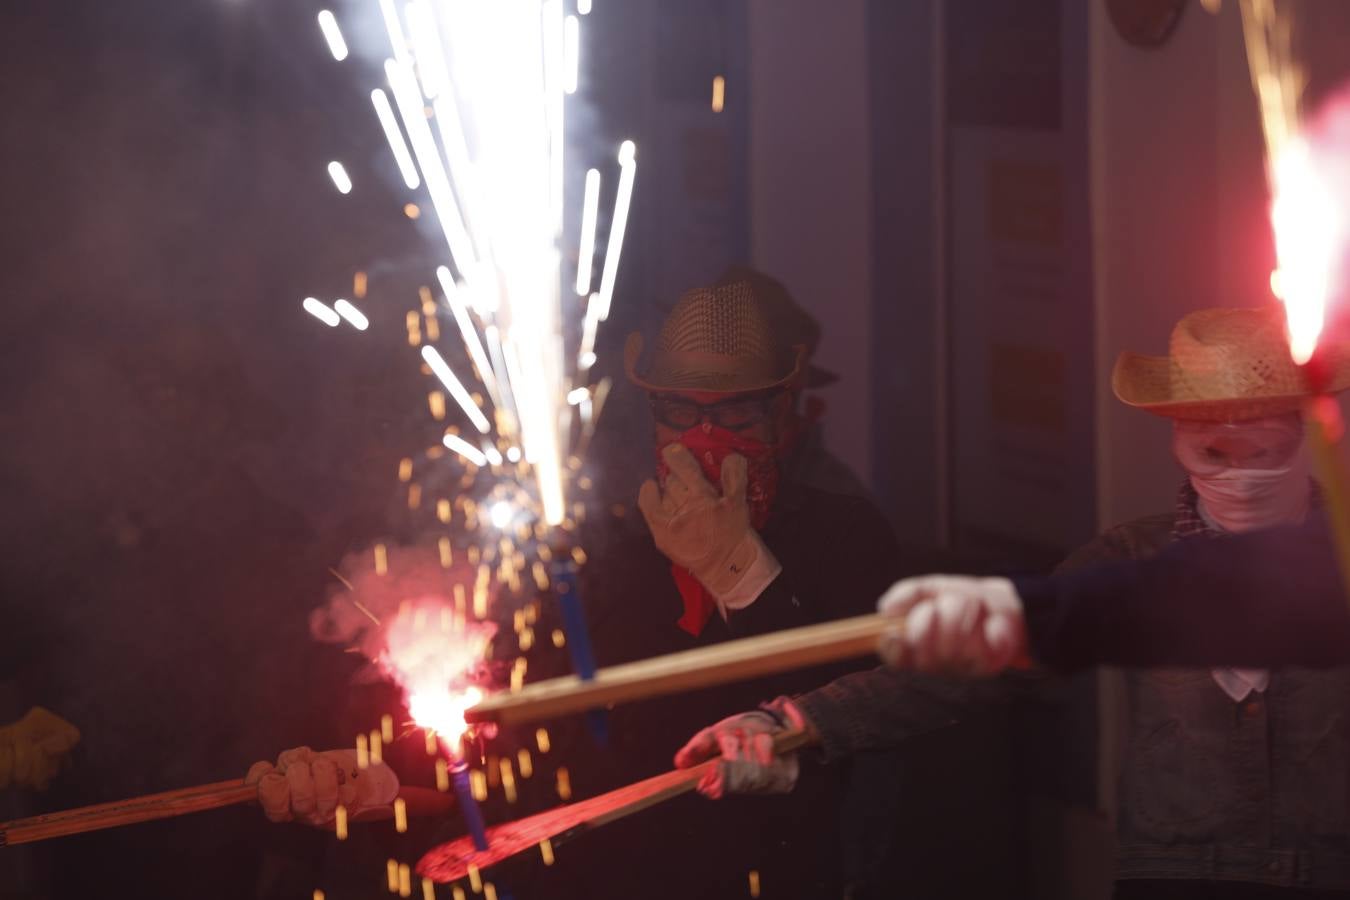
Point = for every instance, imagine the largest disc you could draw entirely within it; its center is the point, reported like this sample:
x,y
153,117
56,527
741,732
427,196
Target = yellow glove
x,y
33,749
706,532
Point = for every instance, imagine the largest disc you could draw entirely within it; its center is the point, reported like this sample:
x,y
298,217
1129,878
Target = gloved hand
x,y
748,764
954,624
307,787
707,533
33,749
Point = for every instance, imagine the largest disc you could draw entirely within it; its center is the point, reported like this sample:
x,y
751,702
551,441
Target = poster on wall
x,y
1020,287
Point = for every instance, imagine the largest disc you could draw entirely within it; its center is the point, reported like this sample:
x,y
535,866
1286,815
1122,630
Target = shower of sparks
x,y
476,119
1308,226
333,35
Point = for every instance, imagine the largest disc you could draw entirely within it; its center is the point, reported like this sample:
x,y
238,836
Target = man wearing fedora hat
x,y
1234,781
737,541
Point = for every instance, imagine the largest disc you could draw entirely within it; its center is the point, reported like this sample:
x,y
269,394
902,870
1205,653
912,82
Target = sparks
x,y
354,316
341,180
321,311
332,34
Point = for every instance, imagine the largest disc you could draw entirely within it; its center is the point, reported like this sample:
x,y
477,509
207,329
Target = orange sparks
x,y
362,752
447,556
564,784
436,403
475,879
340,822
381,560
478,784
414,496
546,851
387,728
404,880
359,285
433,746
525,763
391,875
542,740
754,883
376,748
400,815
442,776
428,889
457,892
443,514
405,469
433,328
489,891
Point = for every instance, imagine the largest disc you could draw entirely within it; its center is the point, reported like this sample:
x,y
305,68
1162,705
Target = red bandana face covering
x,y
710,446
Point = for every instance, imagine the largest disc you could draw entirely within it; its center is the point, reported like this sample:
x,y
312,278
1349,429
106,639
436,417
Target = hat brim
x,y
1145,382
709,373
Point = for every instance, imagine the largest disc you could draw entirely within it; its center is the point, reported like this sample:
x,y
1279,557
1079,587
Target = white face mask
x,y
1248,475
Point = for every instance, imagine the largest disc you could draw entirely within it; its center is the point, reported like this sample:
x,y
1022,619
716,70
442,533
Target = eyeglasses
x,y
735,414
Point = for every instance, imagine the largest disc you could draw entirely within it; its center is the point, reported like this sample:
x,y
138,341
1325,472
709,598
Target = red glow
x,y
1308,238
435,666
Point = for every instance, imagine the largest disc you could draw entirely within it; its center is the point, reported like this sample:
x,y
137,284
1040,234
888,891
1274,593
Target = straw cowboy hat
x,y
719,340
1223,365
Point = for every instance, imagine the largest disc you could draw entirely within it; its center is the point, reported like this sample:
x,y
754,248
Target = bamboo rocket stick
x,y
703,667
127,812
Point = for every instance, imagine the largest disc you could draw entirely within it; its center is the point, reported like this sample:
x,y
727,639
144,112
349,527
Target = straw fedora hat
x,y
718,340
1223,365
792,324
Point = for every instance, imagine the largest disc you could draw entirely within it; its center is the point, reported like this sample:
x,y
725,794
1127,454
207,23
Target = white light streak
x,y
513,454
395,138
341,181
353,315
397,41
409,101
465,449
493,455
586,353
571,53
576,395
332,34
617,227
501,514
455,299
583,7
427,50
502,374
321,312
442,369
590,204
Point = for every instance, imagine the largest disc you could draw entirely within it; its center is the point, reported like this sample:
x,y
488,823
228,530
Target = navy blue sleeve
x,y
1268,598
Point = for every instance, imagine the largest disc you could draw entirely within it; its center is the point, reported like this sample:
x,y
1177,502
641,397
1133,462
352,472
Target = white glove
x,y
745,742
307,787
707,533
954,624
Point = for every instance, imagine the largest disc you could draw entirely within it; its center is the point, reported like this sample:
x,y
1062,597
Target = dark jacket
x,y
838,555
1277,593
1255,792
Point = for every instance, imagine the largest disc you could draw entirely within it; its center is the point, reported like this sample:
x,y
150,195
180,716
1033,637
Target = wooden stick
x,y
452,861
703,667
127,812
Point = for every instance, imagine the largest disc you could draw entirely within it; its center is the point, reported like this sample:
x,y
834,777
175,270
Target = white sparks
x,y
427,50
397,41
409,101
501,514
513,454
586,353
442,370
590,204
465,449
577,395
493,455
321,312
332,34
395,137
454,298
583,7
341,181
571,53
627,171
353,315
